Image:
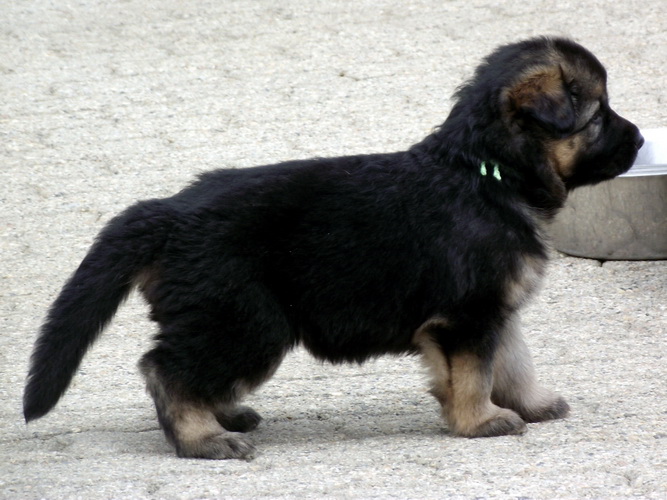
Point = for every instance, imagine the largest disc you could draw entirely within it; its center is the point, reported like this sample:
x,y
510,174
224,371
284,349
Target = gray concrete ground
x,y
103,103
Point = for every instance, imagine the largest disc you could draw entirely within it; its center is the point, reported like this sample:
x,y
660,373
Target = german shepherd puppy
x,y
428,251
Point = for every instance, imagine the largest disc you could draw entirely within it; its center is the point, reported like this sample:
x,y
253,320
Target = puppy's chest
x,y
525,281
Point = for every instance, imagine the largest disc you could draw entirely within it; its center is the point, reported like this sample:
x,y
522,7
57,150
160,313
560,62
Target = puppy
x,y
429,251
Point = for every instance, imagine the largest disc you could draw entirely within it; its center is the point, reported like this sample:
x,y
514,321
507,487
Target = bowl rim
x,y
655,140
646,170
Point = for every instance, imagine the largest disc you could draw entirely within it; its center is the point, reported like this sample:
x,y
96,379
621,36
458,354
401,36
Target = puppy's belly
x,y
349,345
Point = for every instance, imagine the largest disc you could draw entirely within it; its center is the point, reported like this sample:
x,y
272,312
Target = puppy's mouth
x,y
606,167
630,149
620,163
636,144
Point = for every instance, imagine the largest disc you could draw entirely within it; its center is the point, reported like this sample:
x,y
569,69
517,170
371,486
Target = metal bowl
x,y
624,218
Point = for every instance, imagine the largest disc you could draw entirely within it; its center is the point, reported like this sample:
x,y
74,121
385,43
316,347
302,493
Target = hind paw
x,y
240,419
557,408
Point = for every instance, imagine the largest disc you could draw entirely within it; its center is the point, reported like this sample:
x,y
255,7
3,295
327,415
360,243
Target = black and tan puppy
x,y
430,251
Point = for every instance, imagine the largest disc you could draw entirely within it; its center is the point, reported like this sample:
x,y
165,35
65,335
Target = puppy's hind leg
x,y
515,385
191,427
205,361
238,418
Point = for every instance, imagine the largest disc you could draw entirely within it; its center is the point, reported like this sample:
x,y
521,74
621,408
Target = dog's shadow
x,y
291,426
365,422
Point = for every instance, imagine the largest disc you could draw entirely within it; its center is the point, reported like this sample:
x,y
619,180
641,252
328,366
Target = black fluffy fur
x,y
346,256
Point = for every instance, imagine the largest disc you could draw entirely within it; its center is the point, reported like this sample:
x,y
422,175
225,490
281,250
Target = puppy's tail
x,y
89,300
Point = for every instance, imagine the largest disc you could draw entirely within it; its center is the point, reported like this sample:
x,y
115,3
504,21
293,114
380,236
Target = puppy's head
x,y
555,99
541,107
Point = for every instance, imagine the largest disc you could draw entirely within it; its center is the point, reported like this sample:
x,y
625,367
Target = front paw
x,y
225,445
504,424
501,422
557,408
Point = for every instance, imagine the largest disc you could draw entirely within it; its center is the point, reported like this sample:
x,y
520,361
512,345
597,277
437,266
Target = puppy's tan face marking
x,y
536,82
538,91
566,98
562,154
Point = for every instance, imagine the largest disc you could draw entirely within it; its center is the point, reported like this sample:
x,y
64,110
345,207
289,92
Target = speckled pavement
x,y
105,103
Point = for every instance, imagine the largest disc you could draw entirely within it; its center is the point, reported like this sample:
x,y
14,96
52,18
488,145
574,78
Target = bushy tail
x,y
89,300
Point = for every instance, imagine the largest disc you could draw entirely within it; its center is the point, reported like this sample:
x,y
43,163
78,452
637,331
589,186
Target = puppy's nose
x,y
639,140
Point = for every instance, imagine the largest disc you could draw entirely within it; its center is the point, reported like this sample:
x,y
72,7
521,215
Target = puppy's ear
x,y
541,97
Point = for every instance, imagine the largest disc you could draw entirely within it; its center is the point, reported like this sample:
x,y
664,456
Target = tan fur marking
x,y
563,154
519,288
192,424
433,358
462,385
538,81
186,422
515,385
469,409
146,281
194,428
469,394
513,372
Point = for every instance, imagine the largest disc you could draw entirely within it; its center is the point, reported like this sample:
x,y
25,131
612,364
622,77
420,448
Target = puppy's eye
x,y
596,119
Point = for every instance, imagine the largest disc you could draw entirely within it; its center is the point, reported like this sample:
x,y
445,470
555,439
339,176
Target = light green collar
x,y
496,170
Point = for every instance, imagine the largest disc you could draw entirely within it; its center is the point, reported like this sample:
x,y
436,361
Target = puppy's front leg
x,y
514,382
462,382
